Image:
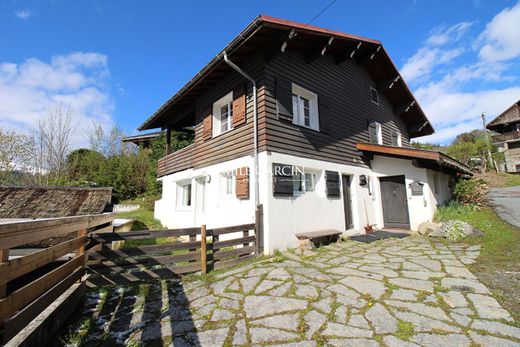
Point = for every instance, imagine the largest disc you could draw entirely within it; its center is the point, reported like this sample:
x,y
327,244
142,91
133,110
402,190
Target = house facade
x,y
327,148
507,138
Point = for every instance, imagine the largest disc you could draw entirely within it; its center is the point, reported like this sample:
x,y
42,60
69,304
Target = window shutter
x,y
239,106
207,126
332,184
284,102
282,180
242,183
372,132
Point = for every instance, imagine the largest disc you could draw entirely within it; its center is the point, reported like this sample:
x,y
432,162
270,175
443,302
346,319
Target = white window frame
x,y
372,89
217,121
226,178
304,173
379,133
298,96
181,197
399,138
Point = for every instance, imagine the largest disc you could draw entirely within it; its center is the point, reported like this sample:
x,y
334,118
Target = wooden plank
x,y
23,296
222,264
142,250
228,243
203,250
233,229
23,317
81,249
20,266
126,263
220,255
43,327
144,234
4,257
141,276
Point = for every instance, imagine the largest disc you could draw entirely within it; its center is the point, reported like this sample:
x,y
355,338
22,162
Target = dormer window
x,y
374,95
305,108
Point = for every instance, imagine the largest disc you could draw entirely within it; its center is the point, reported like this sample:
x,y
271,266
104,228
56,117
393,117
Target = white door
x,y
200,201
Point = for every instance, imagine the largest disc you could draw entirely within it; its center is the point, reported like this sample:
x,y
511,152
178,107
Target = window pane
x,y
186,195
306,112
295,108
229,185
309,182
297,182
225,117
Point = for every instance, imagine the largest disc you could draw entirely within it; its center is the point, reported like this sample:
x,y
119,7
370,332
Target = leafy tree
x,y
426,145
83,167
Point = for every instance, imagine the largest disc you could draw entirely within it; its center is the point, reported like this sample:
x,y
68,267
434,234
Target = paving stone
x,y
342,290
283,321
382,321
422,275
266,285
240,337
488,308
454,299
220,286
258,271
352,272
341,314
353,343
220,314
205,300
392,341
496,328
342,330
278,274
464,285
314,321
233,296
460,319
365,285
412,284
404,295
324,305
270,335
358,321
259,306
298,344
491,341
379,270
459,272
201,312
229,304
357,303
306,291
249,283
281,290
210,338
449,340
422,309
424,324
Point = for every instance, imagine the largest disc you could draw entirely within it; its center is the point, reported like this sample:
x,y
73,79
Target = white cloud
x,y
501,38
29,90
442,35
23,14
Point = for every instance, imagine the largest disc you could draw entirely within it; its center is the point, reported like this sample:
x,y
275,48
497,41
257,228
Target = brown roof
x,y
260,34
48,202
508,116
430,159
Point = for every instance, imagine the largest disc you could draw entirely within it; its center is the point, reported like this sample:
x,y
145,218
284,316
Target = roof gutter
x,y
255,125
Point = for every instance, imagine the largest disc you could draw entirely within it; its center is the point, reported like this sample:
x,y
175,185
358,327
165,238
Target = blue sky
x,y
116,62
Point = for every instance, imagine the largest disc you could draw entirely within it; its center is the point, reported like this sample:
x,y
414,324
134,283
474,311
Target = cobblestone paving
x,y
407,292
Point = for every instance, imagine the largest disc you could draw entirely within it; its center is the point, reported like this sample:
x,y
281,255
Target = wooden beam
x,y
318,51
4,259
361,60
203,250
404,107
349,52
279,45
168,140
388,84
416,127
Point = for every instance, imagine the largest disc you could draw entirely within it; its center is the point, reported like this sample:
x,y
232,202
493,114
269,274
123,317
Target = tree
x,y
107,142
426,145
469,146
83,167
15,150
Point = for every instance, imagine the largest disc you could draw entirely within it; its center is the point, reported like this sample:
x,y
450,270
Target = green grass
x,y
144,220
404,330
500,180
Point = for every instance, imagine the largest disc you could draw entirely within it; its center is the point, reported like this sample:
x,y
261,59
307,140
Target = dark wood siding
x,y
345,109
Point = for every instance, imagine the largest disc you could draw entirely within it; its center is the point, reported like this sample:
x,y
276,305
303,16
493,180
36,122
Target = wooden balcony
x,y
176,161
506,137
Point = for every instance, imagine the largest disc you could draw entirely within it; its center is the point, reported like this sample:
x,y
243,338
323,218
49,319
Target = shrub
x,y
455,230
471,192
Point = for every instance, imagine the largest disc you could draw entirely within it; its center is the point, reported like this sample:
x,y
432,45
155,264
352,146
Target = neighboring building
x,y
143,140
507,125
334,124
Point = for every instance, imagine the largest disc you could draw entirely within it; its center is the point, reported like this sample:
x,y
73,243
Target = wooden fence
x,y
180,251
34,280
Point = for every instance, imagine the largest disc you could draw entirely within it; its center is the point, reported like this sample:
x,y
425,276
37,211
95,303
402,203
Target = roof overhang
x,y
501,119
269,35
421,157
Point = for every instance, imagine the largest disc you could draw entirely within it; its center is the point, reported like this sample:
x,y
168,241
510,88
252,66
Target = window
x,y
184,195
305,108
227,183
375,133
304,182
396,139
223,114
374,95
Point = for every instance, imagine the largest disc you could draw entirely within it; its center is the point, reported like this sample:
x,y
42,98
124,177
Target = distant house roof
x,y
429,159
268,34
48,202
142,139
510,115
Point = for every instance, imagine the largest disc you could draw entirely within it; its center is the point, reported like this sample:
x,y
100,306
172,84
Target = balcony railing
x,y
506,137
176,161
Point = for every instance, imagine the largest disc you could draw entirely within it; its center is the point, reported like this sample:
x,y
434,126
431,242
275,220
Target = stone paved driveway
x,y
406,292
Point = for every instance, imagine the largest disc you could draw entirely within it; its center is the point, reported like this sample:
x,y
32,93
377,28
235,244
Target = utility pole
x,y
488,142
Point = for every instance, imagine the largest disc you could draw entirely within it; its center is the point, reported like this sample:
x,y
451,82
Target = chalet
x,y
309,124
507,139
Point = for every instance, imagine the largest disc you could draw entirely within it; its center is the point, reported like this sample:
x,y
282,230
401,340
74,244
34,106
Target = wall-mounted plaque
x,y
417,188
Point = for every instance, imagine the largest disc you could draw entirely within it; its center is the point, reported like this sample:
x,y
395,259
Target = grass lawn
x,y
500,180
498,266
144,220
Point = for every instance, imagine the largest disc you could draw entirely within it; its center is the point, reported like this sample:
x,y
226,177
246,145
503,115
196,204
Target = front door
x,y
345,180
395,204
200,201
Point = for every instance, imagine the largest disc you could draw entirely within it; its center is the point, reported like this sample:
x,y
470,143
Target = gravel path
x,y
408,292
506,202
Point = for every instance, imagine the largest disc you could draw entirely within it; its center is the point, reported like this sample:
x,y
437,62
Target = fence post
x,y
4,257
81,249
203,250
259,229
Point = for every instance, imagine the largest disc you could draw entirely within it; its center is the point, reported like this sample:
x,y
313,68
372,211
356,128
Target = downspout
x,y
255,126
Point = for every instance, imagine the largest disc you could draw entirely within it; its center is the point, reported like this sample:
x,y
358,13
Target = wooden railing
x,y
176,161
509,136
32,282
187,250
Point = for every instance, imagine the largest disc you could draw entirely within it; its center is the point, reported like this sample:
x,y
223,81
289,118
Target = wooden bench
x,y
310,238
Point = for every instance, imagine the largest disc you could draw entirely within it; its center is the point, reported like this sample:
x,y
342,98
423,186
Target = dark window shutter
x,y
239,106
284,99
207,125
372,132
332,184
282,180
242,183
